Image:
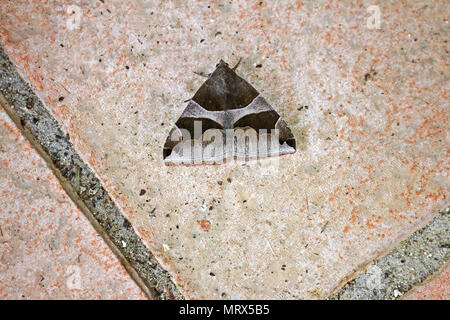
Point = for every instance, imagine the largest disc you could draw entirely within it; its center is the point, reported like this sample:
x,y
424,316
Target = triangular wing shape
x,y
225,109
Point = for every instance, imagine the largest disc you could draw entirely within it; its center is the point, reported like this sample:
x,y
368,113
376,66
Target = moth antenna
x,y
237,64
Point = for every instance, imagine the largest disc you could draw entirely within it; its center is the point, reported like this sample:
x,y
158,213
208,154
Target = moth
x,y
226,119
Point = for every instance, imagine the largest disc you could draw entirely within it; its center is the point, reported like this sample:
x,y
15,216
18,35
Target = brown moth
x,y
227,119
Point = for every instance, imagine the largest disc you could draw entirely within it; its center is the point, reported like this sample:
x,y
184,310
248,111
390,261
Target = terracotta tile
x,y
438,288
368,108
48,249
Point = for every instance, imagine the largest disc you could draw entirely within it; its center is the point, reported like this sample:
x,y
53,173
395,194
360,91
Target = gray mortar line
x,y
412,262
81,184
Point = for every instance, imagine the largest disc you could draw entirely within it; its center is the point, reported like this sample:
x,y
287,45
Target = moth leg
x,y
202,74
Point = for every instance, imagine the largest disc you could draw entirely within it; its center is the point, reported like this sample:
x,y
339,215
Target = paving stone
x,y
367,108
48,249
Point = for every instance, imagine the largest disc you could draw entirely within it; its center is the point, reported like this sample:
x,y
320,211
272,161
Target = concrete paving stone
x,y
48,248
367,106
437,288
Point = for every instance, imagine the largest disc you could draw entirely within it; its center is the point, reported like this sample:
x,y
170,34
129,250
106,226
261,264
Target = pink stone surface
x,y
437,288
372,160
48,248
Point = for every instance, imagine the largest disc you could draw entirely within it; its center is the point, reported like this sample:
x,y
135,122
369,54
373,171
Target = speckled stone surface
x,y
367,108
437,288
48,249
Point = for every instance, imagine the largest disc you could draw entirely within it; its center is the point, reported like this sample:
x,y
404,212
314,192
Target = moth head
x,y
221,64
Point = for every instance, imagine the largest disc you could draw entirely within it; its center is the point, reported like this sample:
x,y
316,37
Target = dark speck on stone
x,y
142,192
258,65
127,67
29,103
60,98
126,223
212,274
